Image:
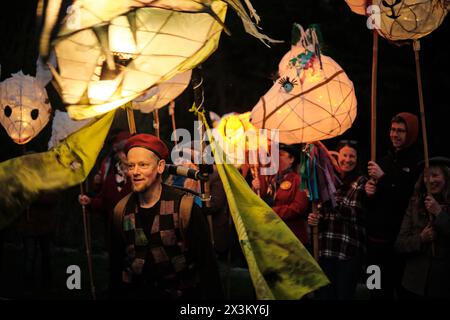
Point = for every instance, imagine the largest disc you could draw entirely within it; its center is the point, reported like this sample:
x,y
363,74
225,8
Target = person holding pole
x,y
395,174
283,194
168,253
427,271
342,232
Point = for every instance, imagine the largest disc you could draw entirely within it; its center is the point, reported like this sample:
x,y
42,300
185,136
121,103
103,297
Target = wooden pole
x,y
130,118
156,122
416,47
315,232
199,99
88,247
172,116
373,104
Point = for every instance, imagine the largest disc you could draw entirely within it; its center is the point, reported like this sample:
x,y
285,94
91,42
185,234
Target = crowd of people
x,y
164,242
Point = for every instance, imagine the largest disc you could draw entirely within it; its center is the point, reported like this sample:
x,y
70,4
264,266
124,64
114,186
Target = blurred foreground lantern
x,y
114,54
410,19
25,108
358,6
313,99
163,93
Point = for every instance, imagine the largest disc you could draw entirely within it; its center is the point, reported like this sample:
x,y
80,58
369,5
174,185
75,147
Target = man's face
x,y
398,135
347,159
144,169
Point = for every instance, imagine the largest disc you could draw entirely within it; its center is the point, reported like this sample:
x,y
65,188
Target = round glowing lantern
x,y
313,99
409,19
358,6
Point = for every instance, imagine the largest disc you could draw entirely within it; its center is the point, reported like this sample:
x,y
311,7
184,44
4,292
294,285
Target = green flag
x,y
279,265
66,165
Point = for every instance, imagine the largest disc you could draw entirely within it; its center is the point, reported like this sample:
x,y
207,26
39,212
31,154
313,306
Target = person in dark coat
x,y
425,235
395,175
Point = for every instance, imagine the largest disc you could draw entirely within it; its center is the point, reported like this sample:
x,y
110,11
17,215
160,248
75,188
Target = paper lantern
x,y
410,19
25,108
358,6
115,54
239,139
162,94
63,126
313,99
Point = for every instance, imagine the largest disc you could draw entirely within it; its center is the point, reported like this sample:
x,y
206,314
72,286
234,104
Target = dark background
x,y
242,69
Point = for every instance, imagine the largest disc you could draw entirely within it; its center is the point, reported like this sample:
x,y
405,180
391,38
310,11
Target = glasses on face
x,y
140,165
398,130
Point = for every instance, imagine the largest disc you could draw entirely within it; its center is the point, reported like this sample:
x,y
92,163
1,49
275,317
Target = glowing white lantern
x,y
162,94
115,54
313,99
410,19
25,108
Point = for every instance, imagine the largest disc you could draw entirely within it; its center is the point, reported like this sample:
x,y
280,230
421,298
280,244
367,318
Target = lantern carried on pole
x,y
313,99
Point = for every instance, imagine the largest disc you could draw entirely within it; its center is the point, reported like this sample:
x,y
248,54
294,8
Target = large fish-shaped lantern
x,y
110,52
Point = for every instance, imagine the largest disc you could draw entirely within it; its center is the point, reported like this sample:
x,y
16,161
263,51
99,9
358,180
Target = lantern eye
x,y
34,114
46,101
287,84
7,111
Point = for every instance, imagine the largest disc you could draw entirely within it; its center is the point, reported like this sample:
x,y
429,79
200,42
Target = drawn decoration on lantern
x,y
410,19
163,93
312,100
358,6
119,49
25,107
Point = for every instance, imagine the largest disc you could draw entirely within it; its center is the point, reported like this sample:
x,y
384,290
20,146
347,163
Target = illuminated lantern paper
x,y
239,139
313,99
162,94
358,6
410,19
110,52
25,108
113,58
63,126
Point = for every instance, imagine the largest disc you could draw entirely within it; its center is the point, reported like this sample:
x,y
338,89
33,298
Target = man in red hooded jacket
x,y
395,174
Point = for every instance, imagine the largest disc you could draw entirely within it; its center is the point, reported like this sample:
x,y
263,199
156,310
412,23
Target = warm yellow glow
x,y
121,40
102,91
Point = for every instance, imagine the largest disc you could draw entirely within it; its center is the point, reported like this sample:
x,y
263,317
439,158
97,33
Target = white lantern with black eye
x,y
313,98
25,108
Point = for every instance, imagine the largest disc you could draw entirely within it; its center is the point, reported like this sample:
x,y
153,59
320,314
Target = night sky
x,y
242,69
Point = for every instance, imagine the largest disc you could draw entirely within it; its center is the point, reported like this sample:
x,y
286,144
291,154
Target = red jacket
x,y
290,203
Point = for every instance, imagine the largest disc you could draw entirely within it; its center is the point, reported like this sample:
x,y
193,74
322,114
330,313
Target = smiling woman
x,y
425,235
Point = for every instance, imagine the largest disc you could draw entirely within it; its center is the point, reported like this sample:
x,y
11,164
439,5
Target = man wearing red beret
x,y
168,253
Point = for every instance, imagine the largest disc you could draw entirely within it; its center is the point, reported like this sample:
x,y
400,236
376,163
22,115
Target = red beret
x,y
149,142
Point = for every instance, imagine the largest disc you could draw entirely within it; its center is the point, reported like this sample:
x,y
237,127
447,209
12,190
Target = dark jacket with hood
x,y
394,189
